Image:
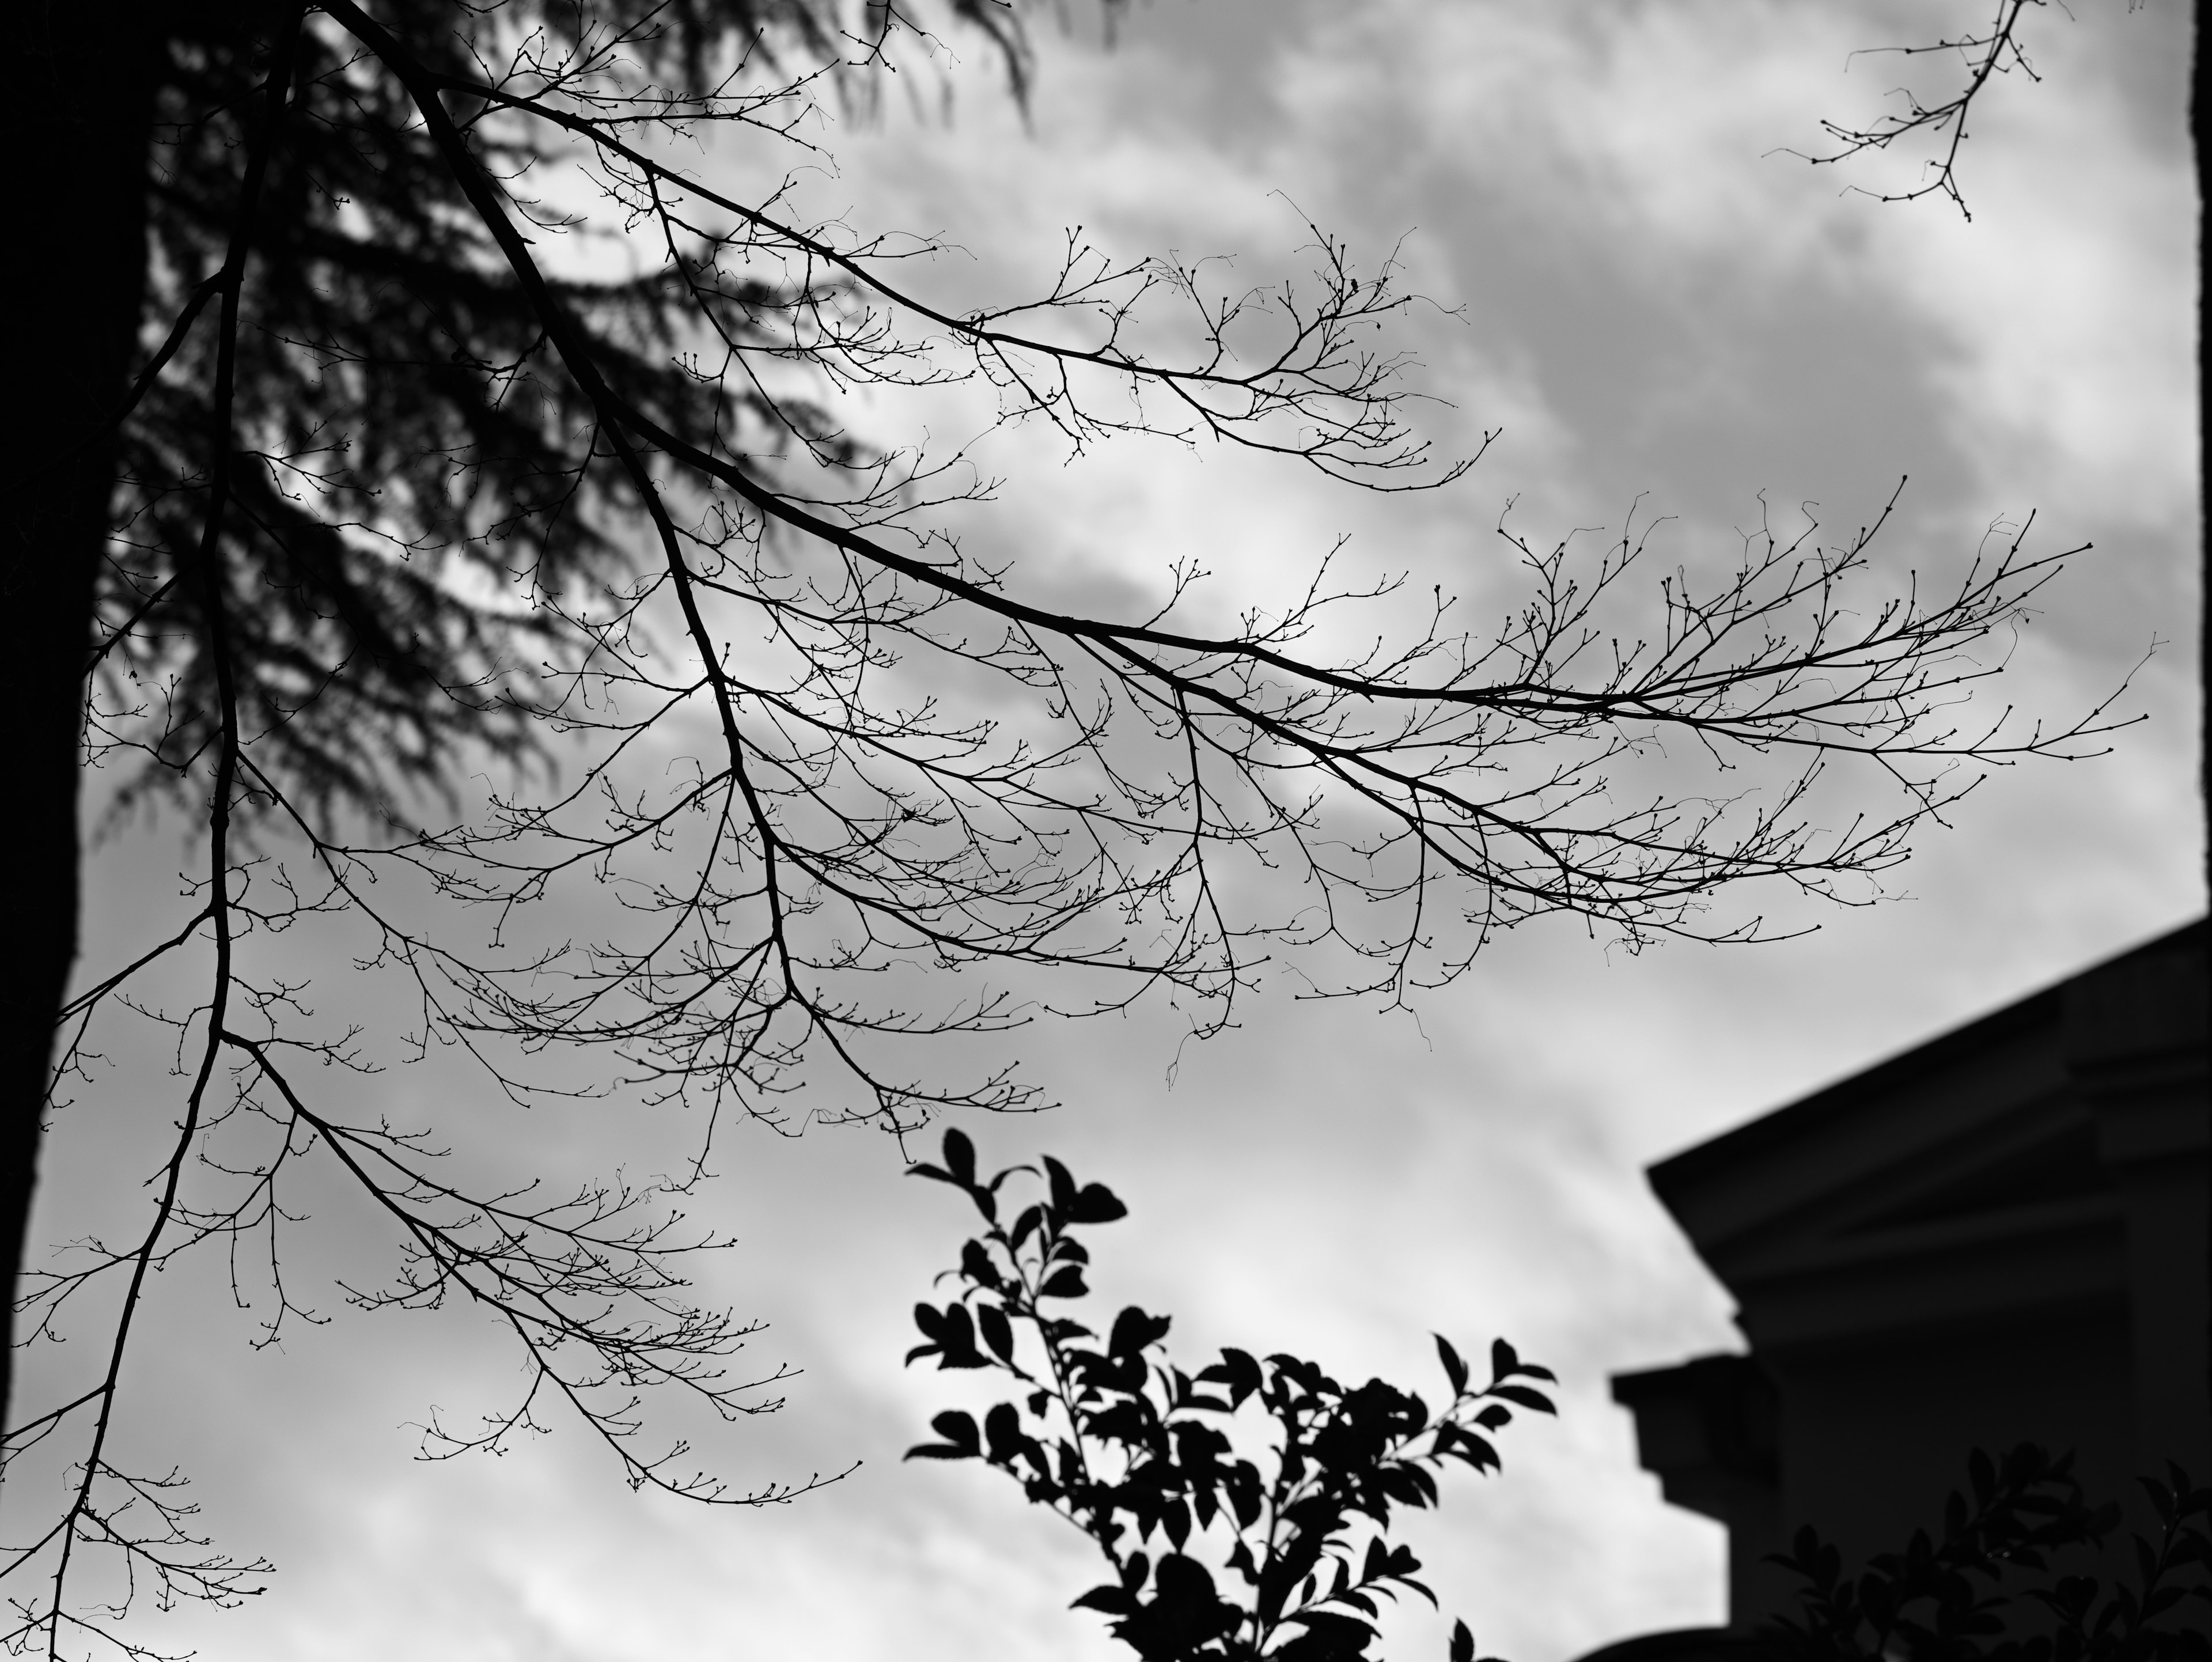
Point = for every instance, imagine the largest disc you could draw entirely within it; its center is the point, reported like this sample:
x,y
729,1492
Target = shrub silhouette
x,y
1968,1595
1141,1457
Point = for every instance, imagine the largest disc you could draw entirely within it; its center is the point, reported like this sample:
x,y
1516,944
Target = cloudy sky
x,y
1653,302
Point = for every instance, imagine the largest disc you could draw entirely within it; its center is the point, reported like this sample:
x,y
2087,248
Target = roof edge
x,y
1793,1119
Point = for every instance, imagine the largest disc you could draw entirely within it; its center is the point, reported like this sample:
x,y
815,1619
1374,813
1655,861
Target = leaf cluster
x,y
1987,1589
1220,1545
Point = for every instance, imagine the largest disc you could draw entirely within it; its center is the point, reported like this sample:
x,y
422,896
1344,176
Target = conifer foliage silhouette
x,y
411,408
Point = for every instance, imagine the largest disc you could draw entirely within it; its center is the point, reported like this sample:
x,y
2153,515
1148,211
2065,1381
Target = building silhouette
x,y
1997,1237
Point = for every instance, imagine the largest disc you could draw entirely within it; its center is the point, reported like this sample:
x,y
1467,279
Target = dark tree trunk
x,y
2200,132
79,114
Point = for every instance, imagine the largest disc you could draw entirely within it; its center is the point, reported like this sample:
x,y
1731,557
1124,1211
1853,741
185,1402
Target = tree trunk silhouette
x,y
2200,119
81,114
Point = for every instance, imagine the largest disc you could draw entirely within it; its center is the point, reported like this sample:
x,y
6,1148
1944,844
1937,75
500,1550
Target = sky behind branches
x,y
1657,309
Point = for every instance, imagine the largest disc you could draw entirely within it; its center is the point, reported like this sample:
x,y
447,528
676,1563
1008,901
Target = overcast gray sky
x,y
1656,304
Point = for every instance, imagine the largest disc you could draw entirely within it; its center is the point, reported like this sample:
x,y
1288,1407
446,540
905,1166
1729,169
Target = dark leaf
x,y
1108,1598
2160,1496
1002,1427
1064,1282
1244,1498
959,1430
1135,1570
1476,1450
1462,1643
954,1334
1983,1472
1185,1615
976,1264
1525,1397
1327,1637
1063,1189
1095,1203
1238,1371
1175,1518
998,1331
1134,1330
960,1158
1377,1561
1454,1369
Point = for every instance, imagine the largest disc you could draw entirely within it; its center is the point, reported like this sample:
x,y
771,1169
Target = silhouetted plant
x,y
1974,1595
1126,1447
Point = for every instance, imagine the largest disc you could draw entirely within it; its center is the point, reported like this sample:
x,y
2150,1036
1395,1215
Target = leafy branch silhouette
x,y
1959,1597
1126,1447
